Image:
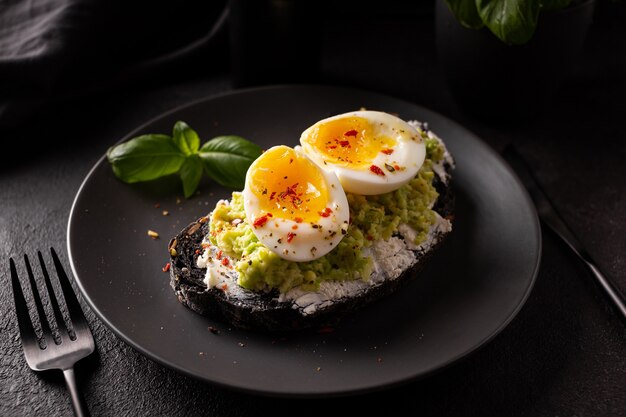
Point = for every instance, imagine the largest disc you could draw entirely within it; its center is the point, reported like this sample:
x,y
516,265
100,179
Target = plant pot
x,y
493,80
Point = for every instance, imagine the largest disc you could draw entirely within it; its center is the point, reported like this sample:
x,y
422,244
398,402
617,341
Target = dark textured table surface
x,y
563,355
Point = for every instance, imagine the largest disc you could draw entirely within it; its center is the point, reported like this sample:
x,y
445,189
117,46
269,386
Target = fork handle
x,y
80,408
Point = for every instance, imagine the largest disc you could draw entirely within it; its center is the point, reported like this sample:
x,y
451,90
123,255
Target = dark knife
x,y
550,218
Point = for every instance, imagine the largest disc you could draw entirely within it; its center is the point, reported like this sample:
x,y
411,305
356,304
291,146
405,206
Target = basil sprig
x,y
225,159
513,21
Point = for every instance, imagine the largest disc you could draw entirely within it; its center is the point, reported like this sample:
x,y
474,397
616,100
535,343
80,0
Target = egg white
x,y
312,239
408,153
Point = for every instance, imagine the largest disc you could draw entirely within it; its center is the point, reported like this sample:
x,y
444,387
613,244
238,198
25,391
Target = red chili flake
x,y
290,237
260,221
397,167
272,195
326,213
225,261
291,195
219,255
344,143
197,252
166,267
369,237
294,227
298,219
376,170
224,286
206,245
332,147
351,133
387,151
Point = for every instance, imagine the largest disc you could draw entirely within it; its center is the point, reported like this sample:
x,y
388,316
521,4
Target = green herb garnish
x,y
513,21
225,159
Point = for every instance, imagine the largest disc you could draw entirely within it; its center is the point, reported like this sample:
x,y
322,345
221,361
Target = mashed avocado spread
x,y
372,217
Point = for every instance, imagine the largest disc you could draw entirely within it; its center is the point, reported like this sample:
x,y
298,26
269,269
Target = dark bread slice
x,y
263,311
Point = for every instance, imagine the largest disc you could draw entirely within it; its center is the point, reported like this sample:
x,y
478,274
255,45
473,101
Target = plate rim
x,y
536,229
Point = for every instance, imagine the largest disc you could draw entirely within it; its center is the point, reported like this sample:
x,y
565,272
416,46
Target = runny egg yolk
x,y
349,141
288,185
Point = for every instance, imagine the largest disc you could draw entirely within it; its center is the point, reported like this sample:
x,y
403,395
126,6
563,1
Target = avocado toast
x,y
220,269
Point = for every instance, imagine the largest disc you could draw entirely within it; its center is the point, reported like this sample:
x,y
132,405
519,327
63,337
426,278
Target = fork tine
x,y
73,307
53,299
27,331
43,320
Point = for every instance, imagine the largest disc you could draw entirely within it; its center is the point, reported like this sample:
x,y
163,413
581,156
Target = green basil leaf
x,y
465,12
145,158
554,4
190,174
227,158
513,21
186,138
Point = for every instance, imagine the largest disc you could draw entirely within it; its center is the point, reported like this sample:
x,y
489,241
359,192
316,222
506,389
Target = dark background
x,y
107,67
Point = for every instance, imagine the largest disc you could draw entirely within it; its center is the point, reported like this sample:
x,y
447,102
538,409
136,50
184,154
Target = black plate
x,y
473,287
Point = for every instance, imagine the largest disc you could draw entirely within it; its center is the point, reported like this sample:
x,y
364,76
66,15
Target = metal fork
x,y
70,346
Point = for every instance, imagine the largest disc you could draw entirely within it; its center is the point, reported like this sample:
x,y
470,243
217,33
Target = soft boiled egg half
x,y
370,152
295,208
